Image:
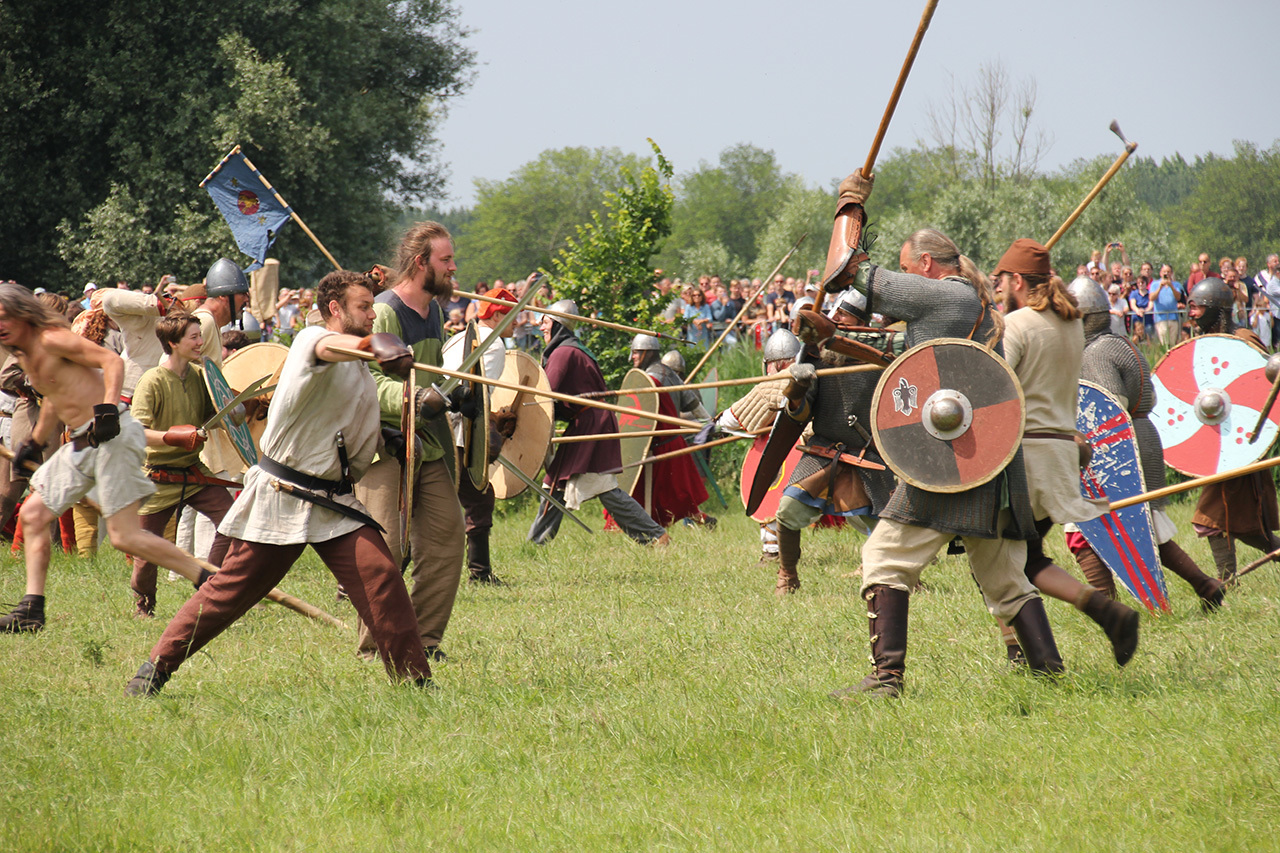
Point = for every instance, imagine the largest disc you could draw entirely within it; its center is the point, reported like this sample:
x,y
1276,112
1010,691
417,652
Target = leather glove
x,y
802,378
812,327
465,402
430,402
496,440
392,355
393,443
106,424
855,189
186,436
504,421
27,457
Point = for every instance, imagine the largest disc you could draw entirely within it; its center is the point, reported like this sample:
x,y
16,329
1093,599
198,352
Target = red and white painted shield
x,y
948,415
767,509
1209,392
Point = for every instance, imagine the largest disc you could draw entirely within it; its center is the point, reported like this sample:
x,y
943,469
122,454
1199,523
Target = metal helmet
x,y
565,306
225,278
645,343
850,302
1217,300
1089,296
781,345
675,361
252,328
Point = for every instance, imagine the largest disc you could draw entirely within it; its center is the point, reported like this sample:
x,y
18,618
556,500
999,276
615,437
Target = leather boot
x,y
1210,590
26,618
478,559
887,620
1035,635
1118,622
788,561
1224,556
148,682
1097,573
1011,647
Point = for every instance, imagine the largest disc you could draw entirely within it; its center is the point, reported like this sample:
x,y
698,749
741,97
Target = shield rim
x,y
1262,451
628,477
506,485
477,457
884,383
258,427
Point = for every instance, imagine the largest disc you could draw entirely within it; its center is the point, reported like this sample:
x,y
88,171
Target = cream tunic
x,y
136,315
313,401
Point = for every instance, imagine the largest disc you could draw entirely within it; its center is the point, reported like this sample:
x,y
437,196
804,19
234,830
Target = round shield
x,y
637,448
477,450
221,394
768,508
246,366
535,422
948,415
1209,391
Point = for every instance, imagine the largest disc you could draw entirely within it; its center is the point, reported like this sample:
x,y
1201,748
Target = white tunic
x,y
136,314
314,400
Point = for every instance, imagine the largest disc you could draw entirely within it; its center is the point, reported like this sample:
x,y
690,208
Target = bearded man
x,y
322,432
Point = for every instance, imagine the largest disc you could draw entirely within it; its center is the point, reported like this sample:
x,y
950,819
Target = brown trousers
x,y
211,502
436,539
359,560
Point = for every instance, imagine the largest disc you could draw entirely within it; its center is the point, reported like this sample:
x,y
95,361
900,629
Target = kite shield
x,y
767,508
948,415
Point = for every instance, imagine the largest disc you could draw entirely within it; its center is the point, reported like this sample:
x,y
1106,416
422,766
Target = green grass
x,y
615,697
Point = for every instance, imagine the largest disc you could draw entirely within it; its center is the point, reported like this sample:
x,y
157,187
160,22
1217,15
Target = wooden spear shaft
x,y
554,395
578,317
729,383
897,87
746,306
642,433
692,448
1177,488
1129,148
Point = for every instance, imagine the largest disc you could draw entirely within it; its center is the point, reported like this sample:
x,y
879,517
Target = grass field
x,y
614,697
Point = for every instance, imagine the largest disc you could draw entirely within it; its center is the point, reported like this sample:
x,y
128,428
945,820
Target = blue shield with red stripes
x,y
1123,539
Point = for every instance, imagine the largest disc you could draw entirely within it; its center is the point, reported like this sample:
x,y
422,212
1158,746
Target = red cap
x,y
488,309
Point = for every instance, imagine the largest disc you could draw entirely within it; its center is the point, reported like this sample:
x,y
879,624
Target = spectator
x,y
1240,310
1141,321
88,293
1167,297
1269,283
1119,308
1242,270
1199,271
456,322
697,315
460,303
1260,317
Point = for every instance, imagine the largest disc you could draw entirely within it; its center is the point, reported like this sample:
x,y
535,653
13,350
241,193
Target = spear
x,y
554,395
643,433
745,306
1129,148
578,317
1177,488
693,448
729,383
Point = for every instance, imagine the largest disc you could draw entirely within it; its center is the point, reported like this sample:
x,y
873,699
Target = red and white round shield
x,y
948,415
1209,391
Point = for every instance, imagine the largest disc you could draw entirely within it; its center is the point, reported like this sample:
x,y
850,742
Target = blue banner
x,y
252,209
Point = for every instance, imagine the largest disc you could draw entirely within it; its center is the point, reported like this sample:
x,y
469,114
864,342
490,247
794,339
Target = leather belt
x,y
306,481
1057,435
172,475
832,453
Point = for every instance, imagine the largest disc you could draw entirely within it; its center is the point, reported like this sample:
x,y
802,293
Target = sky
x,y
809,79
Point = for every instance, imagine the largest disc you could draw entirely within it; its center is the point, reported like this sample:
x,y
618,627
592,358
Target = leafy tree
x,y
112,112
521,223
607,266
729,203
1235,207
804,211
705,257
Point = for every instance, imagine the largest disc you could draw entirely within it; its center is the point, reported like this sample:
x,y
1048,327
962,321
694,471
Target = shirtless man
x,y
81,383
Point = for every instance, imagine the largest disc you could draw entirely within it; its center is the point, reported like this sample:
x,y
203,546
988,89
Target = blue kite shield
x,y
1123,539
253,209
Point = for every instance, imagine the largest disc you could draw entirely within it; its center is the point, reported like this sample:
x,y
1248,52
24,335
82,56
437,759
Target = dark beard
x,y
438,288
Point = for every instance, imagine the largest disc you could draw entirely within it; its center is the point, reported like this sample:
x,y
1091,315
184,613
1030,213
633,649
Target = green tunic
x,y
425,336
162,400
